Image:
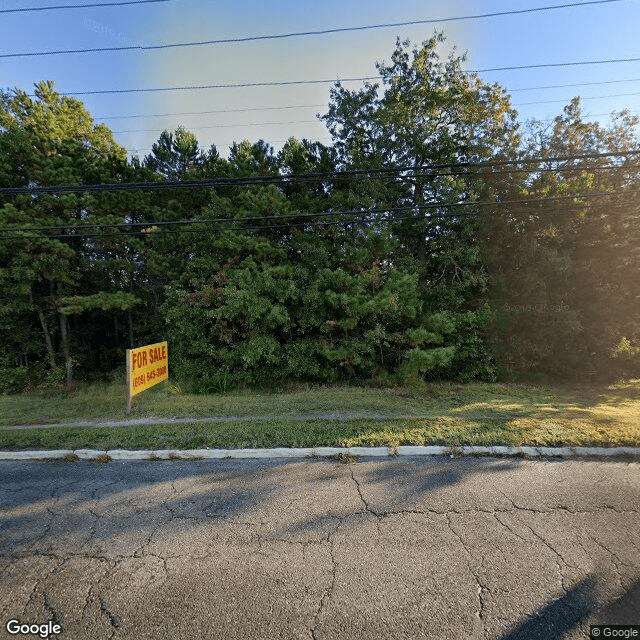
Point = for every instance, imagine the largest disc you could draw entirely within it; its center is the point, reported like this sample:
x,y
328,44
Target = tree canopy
x,y
434,238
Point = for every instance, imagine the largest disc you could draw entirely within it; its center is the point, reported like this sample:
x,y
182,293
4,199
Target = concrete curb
x,y
324,452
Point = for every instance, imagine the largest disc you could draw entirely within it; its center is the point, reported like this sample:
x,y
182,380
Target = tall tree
x,y
48,272
564,270
430,113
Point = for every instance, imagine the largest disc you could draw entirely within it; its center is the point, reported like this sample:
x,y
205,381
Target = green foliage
x,y
14,379
105,301
564,281
310,292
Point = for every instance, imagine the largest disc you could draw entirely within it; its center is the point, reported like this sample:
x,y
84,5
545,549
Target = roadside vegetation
x,y
407,275
487,249
438,413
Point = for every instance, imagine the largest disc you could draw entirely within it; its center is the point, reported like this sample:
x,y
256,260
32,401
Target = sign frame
x,y
152,364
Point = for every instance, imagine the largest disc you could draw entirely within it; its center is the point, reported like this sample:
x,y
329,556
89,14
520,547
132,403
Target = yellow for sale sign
x,y
146,366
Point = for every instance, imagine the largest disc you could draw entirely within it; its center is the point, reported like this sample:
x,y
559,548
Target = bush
x,y
15,379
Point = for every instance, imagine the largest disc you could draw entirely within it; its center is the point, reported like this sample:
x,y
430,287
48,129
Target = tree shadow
x,y
574,608
233,490
565,396
624,610
229,489
559,616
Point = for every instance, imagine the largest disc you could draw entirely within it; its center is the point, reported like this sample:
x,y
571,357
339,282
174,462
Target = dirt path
x,y
134,422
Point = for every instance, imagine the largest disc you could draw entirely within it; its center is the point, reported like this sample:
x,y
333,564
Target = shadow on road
x,y
559,616
34,494
568,612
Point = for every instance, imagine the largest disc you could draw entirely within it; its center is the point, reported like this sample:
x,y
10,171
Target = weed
x,y
103,458
70,457
345,458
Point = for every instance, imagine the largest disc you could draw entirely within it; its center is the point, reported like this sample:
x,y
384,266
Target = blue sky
x,y
594,32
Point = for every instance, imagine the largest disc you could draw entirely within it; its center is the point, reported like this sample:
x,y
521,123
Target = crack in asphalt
x,y
367,508
359,490
615,564
56,509
327,595
557,553
53,614
480,587
40,579
113,621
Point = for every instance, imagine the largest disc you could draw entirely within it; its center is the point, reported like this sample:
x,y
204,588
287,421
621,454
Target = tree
x,y
564,271
430,113
175,154
50,274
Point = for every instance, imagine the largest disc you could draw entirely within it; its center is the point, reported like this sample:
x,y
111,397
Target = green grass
x,y
449,414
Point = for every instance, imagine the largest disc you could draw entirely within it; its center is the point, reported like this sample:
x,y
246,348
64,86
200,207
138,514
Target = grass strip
x,y
450,431
101,401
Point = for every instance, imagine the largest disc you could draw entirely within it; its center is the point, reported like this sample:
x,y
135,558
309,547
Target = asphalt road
x,y
445,548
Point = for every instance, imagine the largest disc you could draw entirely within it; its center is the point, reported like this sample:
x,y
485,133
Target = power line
x,y
199,113
226,126
610,95
256,124
321,214
310,177
229,144
574,84
81,6
225,220
311,106
555,64
302,33
359,217
221,144
218,86
323,81
219,229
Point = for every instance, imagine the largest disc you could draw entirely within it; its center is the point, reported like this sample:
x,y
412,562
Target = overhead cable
x,y
311,106
283,83
610,95
80,6
573,84
303,33
222,182
225,126
322,214
554,64
257,124
361,219
200,113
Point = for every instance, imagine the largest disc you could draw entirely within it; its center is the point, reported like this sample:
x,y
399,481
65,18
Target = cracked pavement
x,y
443,548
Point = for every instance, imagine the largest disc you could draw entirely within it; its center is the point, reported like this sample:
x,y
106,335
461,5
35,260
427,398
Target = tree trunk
x,y
47,338
66,351
130,328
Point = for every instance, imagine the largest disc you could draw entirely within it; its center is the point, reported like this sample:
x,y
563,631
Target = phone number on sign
x,y
151,375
